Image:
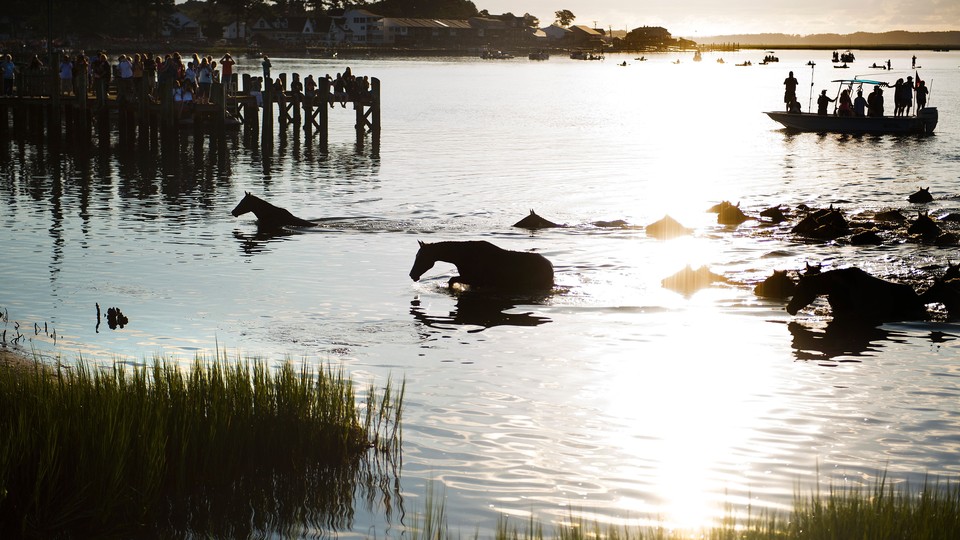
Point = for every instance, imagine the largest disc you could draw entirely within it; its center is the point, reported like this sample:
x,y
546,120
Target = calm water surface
x,y
614,398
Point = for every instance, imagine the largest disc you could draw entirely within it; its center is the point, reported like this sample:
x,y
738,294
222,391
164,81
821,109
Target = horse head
x,y
245,205
806,291
423,262
925,226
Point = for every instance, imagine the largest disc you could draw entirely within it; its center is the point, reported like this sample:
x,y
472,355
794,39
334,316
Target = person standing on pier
x,y
227,62
266,67
9,69
66,75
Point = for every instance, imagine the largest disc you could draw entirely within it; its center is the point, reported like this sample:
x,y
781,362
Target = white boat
x,y
924,122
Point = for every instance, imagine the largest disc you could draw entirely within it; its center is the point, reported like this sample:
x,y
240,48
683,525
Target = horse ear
x,y
247,192
421,243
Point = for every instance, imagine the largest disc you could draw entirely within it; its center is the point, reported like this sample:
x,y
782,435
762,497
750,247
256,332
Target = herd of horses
x,y
853,294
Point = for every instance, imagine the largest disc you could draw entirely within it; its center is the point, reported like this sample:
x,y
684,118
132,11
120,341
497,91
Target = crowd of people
x,y
904,92
189,79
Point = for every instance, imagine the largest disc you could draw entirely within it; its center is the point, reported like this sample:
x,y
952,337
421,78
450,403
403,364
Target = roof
x,y
587,30
426,23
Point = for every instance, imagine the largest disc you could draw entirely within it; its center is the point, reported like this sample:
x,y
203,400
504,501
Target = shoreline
x,y
16,358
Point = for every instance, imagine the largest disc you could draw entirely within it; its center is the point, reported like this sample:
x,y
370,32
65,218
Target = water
x,y
615,398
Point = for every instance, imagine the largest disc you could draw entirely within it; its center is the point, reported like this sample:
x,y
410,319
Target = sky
x,y
699,18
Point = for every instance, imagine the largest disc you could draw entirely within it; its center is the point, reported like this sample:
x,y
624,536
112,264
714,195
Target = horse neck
x,y
261,208
449,252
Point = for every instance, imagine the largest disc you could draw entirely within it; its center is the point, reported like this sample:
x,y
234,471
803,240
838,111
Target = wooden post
x,y
325,98
375,107
267,135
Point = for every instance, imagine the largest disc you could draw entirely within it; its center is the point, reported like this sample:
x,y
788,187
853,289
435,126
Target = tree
x,y
565,17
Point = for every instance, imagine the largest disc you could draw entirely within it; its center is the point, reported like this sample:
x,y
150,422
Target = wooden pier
x,y
39,111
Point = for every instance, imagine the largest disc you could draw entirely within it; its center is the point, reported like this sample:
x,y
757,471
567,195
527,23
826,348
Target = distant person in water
x,y
860,104
790,90
823,101
922,92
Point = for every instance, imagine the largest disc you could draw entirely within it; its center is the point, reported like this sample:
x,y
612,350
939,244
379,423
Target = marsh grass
x,y
878,512
225,447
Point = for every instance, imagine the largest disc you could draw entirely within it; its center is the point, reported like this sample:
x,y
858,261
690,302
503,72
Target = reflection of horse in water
x,y
838,338
481,310
268,215
855,295
482,264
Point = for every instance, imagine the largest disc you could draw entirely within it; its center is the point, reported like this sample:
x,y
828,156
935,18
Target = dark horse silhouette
x,y
482,264
855,295
268,215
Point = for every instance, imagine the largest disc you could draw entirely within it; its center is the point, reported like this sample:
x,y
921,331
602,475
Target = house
x,y
230,31
584,36
557,33
180,26
357,26
289,29
449,33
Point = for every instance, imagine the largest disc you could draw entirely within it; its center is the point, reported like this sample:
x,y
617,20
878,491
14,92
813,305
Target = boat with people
x,y
585,55
846,57
539,55
923,122
769,58
495,55
744,64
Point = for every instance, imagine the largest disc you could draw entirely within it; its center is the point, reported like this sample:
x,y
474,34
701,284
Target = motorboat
x,y
495,55
585,55
924,122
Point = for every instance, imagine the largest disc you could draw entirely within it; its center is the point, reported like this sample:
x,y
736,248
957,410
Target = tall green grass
x,y
221,448
882,511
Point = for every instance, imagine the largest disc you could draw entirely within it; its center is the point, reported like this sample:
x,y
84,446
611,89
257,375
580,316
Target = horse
x,y
728,213
775,214
921,196
944,291
482,264
779,285
856,295
535,222
666,228
689,281
268,215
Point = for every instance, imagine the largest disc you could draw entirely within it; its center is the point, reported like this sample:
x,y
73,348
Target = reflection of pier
x,y
134,115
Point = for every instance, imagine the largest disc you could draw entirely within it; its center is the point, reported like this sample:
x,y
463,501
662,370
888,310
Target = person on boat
x,y
794,107
875,102
907,96
922,92
790,92
913,61
860,105
846,104
898,98
822,102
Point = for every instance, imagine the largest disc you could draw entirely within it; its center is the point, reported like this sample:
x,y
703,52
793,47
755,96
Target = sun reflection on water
x,y
687,407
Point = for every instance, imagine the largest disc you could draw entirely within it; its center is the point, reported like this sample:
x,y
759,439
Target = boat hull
x,y
924,123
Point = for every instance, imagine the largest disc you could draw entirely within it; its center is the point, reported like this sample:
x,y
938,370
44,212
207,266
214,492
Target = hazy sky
x,y
692,18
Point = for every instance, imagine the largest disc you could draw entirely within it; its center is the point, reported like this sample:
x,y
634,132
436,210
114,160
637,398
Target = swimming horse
x,y
482,264
855,295
268,215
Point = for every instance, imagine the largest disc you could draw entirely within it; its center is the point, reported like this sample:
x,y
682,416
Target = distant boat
x,y
539,55
720,60
641,59
585,55
844,66
747,63
924,122
495,55
697,57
